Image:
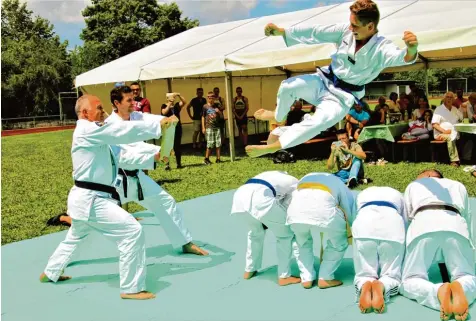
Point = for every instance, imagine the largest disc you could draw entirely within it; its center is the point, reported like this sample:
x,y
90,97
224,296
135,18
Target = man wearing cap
x,y
321,202
378,246
93,201
262,203
440,220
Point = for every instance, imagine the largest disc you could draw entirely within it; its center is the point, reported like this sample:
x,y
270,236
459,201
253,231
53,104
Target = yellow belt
x,y
322,187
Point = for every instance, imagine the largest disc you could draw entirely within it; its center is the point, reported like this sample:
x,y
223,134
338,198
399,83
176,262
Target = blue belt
x,y
380,203
262,182
345,86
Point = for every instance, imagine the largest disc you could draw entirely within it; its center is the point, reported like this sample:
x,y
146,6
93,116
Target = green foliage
x,y
35,63
36,179
115,28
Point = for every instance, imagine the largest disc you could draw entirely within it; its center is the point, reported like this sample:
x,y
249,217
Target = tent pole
x,y
426,81
169,85
229,102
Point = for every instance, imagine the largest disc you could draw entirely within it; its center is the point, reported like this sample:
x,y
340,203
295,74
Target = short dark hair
x,y
199,88
366,11
239,88
135,83
216,88
432,170
118,93
342,132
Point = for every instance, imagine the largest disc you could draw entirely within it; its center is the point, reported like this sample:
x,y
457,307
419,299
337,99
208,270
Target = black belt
x,y
100,188
339,83
133,173
437,207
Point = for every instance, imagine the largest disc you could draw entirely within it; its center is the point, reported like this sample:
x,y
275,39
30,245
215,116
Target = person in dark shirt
x,y
296,114
169,109
140,103
196,104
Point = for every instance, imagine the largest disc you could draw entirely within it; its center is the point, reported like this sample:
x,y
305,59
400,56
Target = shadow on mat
x,y
345,272
157,270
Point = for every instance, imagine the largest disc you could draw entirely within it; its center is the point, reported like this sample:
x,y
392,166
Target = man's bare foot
x,y
193,249
307,285
378,302
289,280
324,284
263,114
444,296
249,275
460,303
365,301
257,150
143,295
45,279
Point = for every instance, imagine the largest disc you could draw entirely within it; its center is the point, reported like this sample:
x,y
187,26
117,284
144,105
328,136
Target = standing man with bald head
x,y
93,203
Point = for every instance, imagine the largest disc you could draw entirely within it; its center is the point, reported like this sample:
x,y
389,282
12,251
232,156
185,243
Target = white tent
x,y
446,32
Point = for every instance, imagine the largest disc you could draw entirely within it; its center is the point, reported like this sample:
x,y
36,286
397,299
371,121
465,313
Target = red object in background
x,y
14,132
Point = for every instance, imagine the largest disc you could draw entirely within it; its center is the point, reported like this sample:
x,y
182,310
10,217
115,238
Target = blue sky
x,y
68,22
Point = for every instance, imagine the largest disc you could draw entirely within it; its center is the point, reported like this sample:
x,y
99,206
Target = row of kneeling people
x,y
395,237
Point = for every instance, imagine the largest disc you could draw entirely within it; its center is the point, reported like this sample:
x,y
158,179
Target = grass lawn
x,y
36,178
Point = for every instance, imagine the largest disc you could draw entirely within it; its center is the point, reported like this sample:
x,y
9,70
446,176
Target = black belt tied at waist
x,y
100,188
134,173
339,83
437,207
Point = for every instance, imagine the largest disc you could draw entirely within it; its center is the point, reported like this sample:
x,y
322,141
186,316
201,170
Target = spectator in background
x,y
420,128
196,104
413,97
356,120
422,107
169,110
459,98
296,114
349,158
378,116
211,127
366,106
403,105
219,103
140,103
444,118
468,109
240,110
392,103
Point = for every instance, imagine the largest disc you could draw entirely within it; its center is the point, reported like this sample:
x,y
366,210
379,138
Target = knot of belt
x,y
345,86
322,187
134,173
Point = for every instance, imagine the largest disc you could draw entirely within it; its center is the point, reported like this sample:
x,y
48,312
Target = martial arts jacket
x,y
380,215
95,161
438,191
258,199
358,68
319,208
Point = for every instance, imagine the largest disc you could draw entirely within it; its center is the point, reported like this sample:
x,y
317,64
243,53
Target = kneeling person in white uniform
x,y
321,202
93,201
378,246
262,203
440,220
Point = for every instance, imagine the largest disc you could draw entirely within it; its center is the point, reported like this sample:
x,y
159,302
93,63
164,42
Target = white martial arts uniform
x,y
379,238
95,161
434,230
322,211
332,103
155,198
255,204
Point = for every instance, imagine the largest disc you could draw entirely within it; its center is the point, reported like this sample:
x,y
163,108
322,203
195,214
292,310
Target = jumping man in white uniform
x,y
321,202
262,203
361,55
440,220
93,201
379,246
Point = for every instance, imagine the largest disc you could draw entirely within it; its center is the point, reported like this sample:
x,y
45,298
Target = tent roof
x,y
446,33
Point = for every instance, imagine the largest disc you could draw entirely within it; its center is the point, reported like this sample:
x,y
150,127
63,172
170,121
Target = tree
x,y
115,28
35,63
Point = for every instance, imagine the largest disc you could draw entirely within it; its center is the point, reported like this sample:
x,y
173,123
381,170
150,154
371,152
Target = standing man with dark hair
x,y
219,103
197,104
171,109
361,55
140,104
240,110
349,158
440,220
